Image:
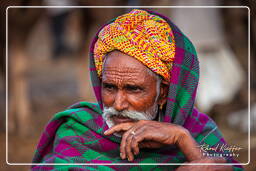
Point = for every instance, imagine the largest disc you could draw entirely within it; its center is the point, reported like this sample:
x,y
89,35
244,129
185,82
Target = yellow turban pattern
x,y
144,36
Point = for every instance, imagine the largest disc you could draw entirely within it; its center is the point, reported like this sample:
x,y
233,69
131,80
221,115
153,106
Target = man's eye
x,y
133,88
109,86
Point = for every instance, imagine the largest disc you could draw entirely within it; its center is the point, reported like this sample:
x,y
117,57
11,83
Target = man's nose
x,y
120,103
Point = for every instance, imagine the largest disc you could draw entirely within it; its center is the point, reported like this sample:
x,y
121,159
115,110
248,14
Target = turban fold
x,y
141,35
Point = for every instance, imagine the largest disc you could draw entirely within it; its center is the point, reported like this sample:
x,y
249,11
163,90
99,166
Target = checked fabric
x,y
76,134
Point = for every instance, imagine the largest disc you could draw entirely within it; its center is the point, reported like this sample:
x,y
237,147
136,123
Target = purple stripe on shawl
x,y
171,100
203,118
190,121
105,127
167,118
104,161
43,167
93,43
222,140
195,112
50,129
194,125
99,161
106,144
197,128
175,74
66,149
93,69
43,146
97,91
179,55
195,89
194,93
56,155
99,121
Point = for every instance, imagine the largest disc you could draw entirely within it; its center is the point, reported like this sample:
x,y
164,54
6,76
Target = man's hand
x,y
153,134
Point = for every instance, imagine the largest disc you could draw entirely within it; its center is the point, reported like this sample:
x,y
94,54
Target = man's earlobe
x,y
163,93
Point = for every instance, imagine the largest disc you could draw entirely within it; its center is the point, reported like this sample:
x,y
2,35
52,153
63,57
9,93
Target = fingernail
x,y
122,156
131,159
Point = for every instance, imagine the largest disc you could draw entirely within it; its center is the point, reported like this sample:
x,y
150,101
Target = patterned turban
x,y
144,36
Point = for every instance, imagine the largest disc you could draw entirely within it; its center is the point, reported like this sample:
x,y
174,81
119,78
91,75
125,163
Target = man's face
x,y
128,87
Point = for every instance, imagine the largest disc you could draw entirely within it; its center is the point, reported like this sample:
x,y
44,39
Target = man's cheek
x,y
107,99
140,103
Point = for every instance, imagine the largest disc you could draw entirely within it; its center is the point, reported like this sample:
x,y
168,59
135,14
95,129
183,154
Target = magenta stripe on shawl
x,y
190,121
179,55
93,42
99,121
203,118
66,149
106,127
106,144
105,161
196,126
43,167
194,93
97,91
167,118
93,69
99,161
46,137
50,129
171,100
175,74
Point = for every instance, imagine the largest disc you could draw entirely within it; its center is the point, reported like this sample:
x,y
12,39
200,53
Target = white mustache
x,y
110,111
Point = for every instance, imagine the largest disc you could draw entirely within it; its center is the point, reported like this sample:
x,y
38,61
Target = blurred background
x,y
48,58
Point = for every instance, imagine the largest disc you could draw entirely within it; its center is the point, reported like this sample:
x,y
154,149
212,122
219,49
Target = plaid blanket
x,y
76,134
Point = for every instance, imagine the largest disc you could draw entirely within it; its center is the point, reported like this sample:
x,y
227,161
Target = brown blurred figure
x,y
20,23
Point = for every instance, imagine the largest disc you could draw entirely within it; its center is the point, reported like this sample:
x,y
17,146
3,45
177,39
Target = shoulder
x,y
80,111
86,105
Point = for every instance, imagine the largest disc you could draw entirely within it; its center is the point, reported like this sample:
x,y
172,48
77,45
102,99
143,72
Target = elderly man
x,y
145,74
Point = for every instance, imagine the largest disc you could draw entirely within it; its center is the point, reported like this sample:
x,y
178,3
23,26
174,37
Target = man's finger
x,y
135,145
128,146
123,144
118,128
135,141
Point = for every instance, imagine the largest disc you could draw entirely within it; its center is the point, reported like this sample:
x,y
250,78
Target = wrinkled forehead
x,y
117,61
122,66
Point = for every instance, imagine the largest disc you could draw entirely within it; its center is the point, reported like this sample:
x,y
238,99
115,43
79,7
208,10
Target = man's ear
x,y
163,93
